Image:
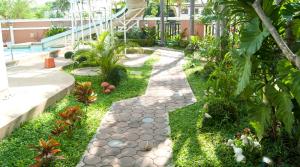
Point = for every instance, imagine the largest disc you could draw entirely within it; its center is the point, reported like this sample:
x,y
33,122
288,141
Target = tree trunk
x,y
218,29
280,42
192,16
162,26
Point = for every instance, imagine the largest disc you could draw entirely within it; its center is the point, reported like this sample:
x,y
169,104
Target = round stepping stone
x,y
115,143
148,120
88,71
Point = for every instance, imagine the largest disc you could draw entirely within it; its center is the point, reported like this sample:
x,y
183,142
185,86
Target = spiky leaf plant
x,y
106,52
70,117
84,93
47,152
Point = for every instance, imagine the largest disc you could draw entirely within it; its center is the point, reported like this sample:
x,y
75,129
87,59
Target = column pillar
x,y
3,72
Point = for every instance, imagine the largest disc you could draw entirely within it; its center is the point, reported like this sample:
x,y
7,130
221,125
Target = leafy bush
x,y
105,53
208,69
143,42
193,44
221,111
70,117
84,93
47,152
55,30
116,74
69,55
142,36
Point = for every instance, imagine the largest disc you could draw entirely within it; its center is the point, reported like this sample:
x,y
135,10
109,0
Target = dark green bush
x,y
143,42
117,74
80,59
208,69
69,55
222,111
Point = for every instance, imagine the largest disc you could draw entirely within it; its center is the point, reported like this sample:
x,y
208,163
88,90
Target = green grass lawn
x,y
195,147
14,150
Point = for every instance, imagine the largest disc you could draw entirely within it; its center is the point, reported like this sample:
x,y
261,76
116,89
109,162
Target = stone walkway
x,y
136,131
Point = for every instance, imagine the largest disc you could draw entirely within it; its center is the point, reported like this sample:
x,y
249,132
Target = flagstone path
x,y
135,132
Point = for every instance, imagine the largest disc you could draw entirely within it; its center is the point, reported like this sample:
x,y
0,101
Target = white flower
x,y
240,158
206,115
229,142
267,160
256,144
237,150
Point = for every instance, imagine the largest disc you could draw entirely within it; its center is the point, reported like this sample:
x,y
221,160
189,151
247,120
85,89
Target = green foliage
x,y
55,30
283,106
222,111
208,69
14,148
116,74
105,53
261,119
16,9
69,55
144,37
244,65
252,37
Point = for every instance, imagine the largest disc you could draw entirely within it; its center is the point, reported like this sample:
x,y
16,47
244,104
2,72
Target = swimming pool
x,y
15,53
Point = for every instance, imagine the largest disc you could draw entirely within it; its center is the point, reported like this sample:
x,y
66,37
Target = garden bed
x,y
195,146
14,150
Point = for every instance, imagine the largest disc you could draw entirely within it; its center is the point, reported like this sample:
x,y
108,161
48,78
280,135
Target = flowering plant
x,y
245,145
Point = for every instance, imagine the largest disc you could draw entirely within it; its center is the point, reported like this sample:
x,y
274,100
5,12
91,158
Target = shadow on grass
x,y
14,150
196,147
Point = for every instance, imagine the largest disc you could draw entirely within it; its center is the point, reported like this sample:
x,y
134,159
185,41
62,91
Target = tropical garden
x,y
245,76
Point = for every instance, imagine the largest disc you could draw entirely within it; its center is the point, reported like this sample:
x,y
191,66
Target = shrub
x,y
208,69
221,111
70,117
47,152
69,55
116,74
55,30
106,53
84,93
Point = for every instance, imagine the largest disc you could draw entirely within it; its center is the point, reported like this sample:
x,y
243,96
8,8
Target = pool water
x,y
22,52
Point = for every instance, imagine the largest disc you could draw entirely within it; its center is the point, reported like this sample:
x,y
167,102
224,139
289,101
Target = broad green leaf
x,y
296,86
283,106
252,37
261,119
290,76
245,73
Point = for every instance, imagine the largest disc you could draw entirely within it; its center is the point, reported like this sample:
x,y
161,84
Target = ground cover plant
x,y
14,150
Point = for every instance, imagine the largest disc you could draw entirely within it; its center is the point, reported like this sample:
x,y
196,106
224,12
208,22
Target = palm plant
x,y
106,52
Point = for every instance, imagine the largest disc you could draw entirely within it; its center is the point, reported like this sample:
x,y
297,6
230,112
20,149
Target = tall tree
x,y
192,17
61,7
16,9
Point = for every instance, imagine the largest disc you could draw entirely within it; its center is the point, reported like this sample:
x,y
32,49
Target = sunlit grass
x,y
195,147
14,149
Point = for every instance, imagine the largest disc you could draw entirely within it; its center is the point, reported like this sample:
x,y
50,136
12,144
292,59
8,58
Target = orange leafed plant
x,y
84,93
70,117
47,152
